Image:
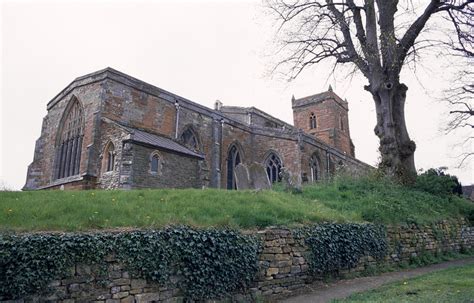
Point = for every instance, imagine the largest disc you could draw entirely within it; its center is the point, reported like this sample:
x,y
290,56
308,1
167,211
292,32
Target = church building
x,y
110,130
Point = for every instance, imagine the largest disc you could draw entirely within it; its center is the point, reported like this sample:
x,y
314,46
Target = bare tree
x,y
378,41
460,94
460,97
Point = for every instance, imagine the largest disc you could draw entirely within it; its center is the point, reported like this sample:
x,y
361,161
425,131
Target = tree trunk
x,y
396,148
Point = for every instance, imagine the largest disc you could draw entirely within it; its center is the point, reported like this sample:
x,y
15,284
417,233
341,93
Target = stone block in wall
x,y
129,299
121,281
138,283
280,264
271,271
143,298
120,295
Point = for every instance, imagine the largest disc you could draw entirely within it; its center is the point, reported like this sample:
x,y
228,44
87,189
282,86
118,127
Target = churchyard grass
x,y
383,201
450,285
342,200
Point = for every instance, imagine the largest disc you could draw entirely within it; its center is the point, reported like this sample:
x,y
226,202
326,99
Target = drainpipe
x,y
216,153
327,163
176,105
221,143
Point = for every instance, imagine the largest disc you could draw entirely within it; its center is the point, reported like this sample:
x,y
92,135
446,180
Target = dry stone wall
x,y
283,267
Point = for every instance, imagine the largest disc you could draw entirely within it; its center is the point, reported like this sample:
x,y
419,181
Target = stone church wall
x,y
111,133
328,119
306,154
286,148
202,126
43,164
174,170
138,109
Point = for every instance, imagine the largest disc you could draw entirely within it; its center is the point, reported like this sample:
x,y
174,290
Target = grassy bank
x,y
342,201
450,285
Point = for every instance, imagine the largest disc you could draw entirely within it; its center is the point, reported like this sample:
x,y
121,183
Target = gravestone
x,y
242,177
259,177
291,181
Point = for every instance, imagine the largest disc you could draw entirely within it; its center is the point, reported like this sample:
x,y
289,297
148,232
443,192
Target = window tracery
x,y
273,166
69,144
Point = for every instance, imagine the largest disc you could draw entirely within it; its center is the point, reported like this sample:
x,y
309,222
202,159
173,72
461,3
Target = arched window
x,y
273,166
189,139
109,157
69,141
233,159
154,163
312,121
341,121
314,168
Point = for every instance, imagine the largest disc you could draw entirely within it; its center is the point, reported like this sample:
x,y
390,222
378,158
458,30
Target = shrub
x,y
437,182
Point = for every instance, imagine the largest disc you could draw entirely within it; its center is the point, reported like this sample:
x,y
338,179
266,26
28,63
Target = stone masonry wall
x,y
40,172
284,264
283,267
174,170
329,114
110,133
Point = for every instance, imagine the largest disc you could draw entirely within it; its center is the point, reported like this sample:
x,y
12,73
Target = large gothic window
x,y
233,159
188,138
312,121
69,144
273,166
314,168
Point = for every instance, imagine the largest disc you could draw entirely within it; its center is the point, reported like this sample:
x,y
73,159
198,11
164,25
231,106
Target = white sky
x,y
201,50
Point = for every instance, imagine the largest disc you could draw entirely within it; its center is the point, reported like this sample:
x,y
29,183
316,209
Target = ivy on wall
x,y
210,263
29,262
335,247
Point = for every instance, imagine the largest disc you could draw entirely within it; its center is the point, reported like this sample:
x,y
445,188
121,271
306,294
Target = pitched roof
x,y
144,137
318,98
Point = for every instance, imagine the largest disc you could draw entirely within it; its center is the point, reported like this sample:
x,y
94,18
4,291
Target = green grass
x,y
450,285
343,200
382,201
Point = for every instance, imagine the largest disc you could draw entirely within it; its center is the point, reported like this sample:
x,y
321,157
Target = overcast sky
x,y
201,50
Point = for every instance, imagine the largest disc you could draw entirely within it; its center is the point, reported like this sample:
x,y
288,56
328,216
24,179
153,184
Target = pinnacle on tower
x,y
293,98
330,88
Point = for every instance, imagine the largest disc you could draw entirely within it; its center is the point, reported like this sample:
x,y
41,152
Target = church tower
x,y
324,116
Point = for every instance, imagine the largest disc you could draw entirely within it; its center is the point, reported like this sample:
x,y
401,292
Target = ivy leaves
x,y
29,262
209,263
340,246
